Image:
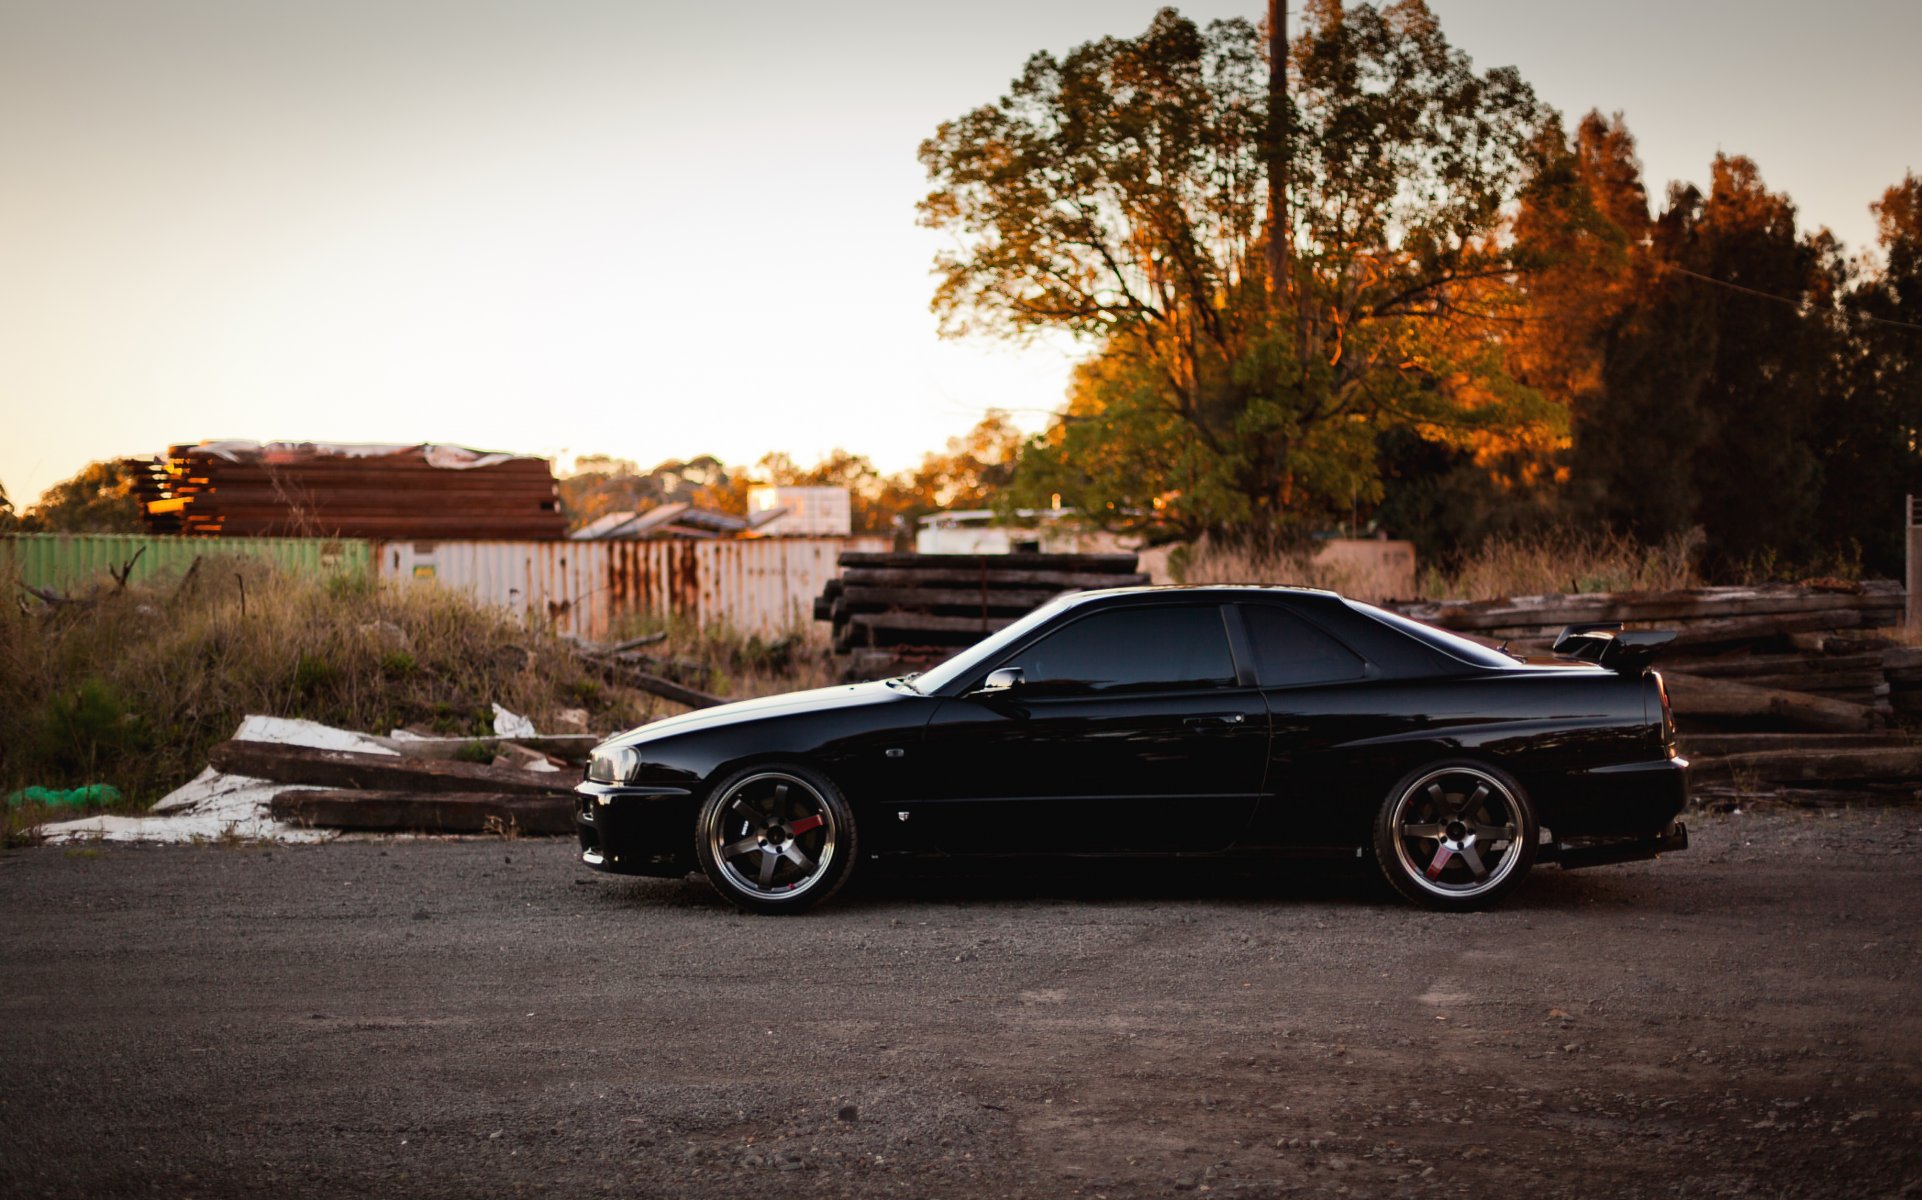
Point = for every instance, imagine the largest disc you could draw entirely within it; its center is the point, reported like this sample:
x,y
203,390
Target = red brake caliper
x,y
1442,854
804,824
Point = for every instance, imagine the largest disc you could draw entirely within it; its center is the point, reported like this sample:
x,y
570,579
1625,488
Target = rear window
x,y
1453,645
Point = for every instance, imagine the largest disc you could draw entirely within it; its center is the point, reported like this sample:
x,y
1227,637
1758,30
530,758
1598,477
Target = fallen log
x,y
1694,696
1685,606
345,769
1900,764
447,812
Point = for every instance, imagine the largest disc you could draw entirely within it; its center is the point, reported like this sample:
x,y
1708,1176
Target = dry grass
x,y
729,663
1567,560
133,688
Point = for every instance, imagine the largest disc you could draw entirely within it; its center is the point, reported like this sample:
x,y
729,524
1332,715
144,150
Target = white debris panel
x,y
214,806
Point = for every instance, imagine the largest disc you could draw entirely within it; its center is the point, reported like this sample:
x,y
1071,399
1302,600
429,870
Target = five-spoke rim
x,y
1457,831
773,836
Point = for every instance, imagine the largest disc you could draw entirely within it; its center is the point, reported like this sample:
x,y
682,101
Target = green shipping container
x,y
71,561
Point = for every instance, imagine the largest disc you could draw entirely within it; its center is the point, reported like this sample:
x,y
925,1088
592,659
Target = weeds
x,y
1569,560
134,687
1565,560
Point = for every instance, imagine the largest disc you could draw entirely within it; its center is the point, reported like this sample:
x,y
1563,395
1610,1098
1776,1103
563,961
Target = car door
x,y
1132,731
1318,695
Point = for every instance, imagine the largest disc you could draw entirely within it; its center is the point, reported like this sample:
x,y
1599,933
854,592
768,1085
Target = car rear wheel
x,y
1456,835
776,839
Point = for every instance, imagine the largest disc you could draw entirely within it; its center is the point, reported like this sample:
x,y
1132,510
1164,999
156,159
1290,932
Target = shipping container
x,y
66,562
762,586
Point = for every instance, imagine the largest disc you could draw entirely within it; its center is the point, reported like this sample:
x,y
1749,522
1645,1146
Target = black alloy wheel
x,y
776,839
1456,835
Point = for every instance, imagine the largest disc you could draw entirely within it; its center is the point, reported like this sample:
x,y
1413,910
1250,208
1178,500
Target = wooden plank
x,y
1897,764
901,622
1749,629
446,812
1693,696
1060,580
1707,745
1689,605
1777,664
346,769
570,746
876,599
1110,564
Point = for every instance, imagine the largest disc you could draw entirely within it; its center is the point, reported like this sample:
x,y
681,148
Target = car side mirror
x,y
1000,682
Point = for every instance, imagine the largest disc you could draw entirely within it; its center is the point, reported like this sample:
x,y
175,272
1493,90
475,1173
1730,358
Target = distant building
x,y
800,511
677,520
984,531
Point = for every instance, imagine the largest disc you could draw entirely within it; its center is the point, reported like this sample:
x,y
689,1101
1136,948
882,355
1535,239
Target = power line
x,y
1736,287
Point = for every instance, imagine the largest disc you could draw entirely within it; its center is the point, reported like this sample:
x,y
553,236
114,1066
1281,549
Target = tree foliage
x,y
1117,194
99,499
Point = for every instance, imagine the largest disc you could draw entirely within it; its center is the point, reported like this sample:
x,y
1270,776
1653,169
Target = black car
x,y
1208,721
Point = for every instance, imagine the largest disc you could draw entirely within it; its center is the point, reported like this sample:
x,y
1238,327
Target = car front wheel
x,y
1456,835
776,839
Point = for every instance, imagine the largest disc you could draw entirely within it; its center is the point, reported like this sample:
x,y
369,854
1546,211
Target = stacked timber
x,y
920,606
289,489
1794,687
414,789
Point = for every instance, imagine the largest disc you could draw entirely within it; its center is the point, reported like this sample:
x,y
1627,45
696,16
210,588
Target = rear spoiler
x,y
1606,644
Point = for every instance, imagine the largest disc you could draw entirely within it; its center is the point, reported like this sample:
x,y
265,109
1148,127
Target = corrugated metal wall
x,y
756,585
64,561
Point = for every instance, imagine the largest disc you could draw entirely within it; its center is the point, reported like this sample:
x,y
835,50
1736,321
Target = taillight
x,y
1668,714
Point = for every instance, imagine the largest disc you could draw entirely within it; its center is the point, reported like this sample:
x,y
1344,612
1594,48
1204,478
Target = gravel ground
x,y
486,1018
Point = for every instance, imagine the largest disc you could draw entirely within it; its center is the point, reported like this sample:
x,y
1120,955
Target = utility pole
x,y
1280,231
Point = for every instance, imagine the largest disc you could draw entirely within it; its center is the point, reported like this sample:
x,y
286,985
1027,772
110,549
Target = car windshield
x,y
987,650
1451,644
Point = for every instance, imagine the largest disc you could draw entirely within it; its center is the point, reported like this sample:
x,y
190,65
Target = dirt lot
x,y
485,1018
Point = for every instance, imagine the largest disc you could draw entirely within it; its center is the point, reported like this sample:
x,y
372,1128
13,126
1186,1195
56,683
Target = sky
x,y
655,231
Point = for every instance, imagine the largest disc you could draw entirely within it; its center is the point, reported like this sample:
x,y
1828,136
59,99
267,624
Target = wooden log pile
x,y
416,790
1796,686
923,606
301,490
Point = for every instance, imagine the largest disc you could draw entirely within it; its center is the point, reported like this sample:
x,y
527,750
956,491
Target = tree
x,y
1871,421
100,499
1116,194
1713,374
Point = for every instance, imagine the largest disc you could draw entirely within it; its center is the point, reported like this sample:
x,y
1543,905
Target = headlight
x,y
613,764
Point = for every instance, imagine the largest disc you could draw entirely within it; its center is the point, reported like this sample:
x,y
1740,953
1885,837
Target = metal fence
x,y
758,585
67,561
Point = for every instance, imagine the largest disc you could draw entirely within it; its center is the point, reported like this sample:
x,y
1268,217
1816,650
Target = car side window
x,y
1130,649
1289,651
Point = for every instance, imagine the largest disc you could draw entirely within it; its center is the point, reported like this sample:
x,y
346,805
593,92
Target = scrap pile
x,y
1787,685
911,607
283,779
303,489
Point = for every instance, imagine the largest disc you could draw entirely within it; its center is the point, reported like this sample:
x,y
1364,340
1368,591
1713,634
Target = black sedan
x,y
1212,721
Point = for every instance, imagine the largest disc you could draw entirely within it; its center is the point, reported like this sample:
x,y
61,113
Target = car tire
x,y
1456,835
776,838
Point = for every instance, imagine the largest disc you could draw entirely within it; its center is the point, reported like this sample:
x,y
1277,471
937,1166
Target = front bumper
x,y
631,829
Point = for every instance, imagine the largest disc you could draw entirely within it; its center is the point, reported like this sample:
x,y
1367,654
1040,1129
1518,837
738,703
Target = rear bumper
x,y
1620,801
628,830
1597,852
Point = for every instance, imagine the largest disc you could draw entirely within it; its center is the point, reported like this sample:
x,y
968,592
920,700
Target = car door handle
x,y
1217,720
